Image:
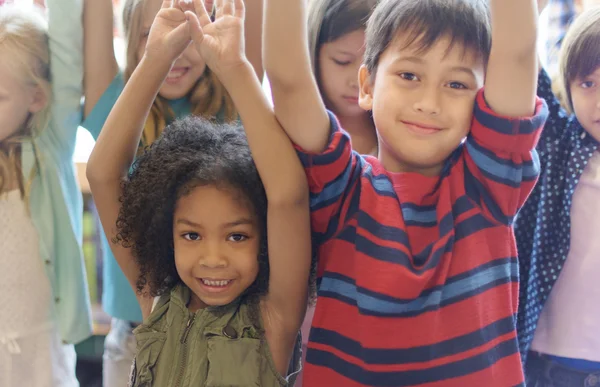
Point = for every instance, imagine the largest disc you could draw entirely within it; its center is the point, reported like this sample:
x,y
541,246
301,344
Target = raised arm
x,y
512,69
298,103
100,62
253,25
66,67
288,223
115,149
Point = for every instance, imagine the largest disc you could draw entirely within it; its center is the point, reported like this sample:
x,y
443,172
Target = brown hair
x,y
466,22
208,97
580,52
24,42
329,20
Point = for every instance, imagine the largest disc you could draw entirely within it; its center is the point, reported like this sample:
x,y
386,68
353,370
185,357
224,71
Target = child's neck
x,y
362,132
9,179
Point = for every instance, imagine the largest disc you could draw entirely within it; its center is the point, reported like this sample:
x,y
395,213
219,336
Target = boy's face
x,y
585,94
422,103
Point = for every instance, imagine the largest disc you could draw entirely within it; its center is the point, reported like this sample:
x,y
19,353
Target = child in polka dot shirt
x,y
557,229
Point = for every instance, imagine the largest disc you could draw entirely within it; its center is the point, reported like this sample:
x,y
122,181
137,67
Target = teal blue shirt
x,y
118,298
55,199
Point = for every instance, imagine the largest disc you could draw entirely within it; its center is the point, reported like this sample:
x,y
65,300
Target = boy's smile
x,y
422,102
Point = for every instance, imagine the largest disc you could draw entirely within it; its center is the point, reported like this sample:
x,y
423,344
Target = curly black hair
x,y
191,152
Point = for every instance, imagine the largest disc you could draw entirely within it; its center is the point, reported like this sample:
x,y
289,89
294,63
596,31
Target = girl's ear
x,y
38,99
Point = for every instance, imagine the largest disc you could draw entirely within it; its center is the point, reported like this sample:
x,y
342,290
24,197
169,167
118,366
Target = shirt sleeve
x,y
97,117
333,176
501,164
65,31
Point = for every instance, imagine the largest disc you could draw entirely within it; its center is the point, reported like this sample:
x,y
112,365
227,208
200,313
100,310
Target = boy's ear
x,y
365,96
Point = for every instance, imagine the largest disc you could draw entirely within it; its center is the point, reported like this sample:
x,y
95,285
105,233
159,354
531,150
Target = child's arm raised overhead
x,y
115,150
510,85
99,52
298,104
253,35
221,45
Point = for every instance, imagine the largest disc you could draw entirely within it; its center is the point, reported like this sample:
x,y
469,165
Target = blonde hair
x,y
580,52
208,98
24,42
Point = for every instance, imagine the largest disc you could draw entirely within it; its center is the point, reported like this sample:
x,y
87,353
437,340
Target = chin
x,y
172,92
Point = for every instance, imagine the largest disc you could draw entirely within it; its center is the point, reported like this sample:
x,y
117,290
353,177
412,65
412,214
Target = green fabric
x,y
220,347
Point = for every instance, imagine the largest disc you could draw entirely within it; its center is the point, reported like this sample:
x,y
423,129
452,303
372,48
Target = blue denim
x,y
542,371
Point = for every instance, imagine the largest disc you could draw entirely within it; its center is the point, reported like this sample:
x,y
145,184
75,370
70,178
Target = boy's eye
x,y
587,84
191,236
237,237
457,85
409,77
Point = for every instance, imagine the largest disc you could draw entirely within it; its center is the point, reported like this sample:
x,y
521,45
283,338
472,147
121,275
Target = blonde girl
x,y
190,88
557,229
43,291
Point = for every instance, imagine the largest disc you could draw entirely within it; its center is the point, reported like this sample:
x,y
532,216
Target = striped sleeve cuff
x,y
507,134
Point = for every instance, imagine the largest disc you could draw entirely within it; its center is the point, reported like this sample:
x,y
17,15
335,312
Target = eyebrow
x,y
419,61
238,222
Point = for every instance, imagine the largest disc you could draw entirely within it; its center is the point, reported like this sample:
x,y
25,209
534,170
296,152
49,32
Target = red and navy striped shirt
x,y
418,276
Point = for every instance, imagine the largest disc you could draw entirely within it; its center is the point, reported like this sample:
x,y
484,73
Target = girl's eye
x,y
587,84
191,236
457,85
237,237
342,62
409,77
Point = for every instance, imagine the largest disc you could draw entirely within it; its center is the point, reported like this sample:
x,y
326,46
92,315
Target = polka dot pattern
x,y
543,226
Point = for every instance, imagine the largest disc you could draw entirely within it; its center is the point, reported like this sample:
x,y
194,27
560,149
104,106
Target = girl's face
x,y
217,240
17,100
188,68
585,94
338,65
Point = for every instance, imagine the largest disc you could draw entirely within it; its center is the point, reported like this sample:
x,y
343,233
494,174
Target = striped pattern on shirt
x,y
418,276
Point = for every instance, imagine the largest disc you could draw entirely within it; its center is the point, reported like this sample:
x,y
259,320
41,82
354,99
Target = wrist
x,y
152,66
235,74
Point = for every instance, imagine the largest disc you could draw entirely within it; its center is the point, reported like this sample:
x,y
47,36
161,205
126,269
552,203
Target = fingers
x,y
228,7
166,4
195,28
180,34
208,5
203,16
240,9
218,9
186,5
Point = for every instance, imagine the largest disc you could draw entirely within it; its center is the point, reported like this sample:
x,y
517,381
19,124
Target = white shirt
x,y
569,325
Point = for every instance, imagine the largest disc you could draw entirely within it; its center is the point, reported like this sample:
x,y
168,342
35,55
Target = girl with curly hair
x,y
190,88
190,224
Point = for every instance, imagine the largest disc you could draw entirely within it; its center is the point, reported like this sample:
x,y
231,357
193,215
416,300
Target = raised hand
x,y
169,34
221,43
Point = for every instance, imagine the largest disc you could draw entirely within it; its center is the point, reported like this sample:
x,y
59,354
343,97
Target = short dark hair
x,y
191,152
580,51
466,22
329,20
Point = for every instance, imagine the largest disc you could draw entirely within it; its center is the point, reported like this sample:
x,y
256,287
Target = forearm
x,y
298,104
513,65
100,62
276,160
118,142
